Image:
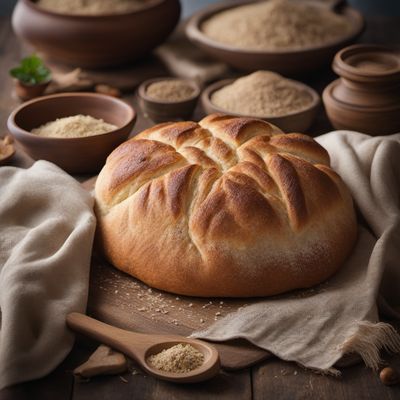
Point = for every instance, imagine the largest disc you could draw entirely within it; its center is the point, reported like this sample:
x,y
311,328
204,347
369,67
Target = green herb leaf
x,y
31,71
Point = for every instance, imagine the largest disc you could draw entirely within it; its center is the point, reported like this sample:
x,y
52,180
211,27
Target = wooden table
x,y
274,379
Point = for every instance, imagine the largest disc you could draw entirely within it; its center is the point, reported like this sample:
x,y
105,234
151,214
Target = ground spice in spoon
x,y
180,358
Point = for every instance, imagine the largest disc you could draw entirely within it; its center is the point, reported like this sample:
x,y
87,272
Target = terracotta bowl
x,y
298,121
75,155
160,111
95,41
285,61
366,97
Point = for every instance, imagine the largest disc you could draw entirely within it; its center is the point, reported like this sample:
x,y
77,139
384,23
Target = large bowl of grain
x,y
279,35
94,34
76,131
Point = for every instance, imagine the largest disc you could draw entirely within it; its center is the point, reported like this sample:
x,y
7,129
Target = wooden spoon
x,y
140,346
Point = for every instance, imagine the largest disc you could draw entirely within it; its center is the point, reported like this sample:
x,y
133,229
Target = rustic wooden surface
x,y
273,379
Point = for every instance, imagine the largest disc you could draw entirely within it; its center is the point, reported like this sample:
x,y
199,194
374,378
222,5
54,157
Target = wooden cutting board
x,y
125,302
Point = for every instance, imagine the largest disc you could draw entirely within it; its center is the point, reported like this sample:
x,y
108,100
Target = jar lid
x,y
368,63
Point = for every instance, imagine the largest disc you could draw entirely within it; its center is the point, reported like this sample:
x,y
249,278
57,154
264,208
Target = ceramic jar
x,y
366,97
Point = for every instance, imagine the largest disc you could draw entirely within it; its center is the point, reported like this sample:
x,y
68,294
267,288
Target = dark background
x,y
368,7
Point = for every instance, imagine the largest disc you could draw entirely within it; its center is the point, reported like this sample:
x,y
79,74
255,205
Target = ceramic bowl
x,y
160,111
285,61
75,155
298,121
95,41
366,97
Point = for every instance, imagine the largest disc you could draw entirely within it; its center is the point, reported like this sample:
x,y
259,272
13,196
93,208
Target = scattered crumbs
x,y
142,309
295,373
157,310
217,313
190,304
135,372
116,291
164,311
180,308
275,376
172,306
220,306
177,298
221,302
123,379
201,320
128,294
139,295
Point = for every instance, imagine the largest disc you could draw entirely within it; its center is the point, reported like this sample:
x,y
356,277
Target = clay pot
x,y
28,92
367,96
95,41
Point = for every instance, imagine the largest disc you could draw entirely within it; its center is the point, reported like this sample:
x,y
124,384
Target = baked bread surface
x,y
227,207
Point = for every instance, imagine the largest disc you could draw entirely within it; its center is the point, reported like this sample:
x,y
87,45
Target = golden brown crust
x,y
224,207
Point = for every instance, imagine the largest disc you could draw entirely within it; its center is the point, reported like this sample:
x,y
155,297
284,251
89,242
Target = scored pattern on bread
x,y
184,203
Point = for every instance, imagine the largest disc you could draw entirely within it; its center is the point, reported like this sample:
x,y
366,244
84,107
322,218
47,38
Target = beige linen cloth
x,y
46,232
316,327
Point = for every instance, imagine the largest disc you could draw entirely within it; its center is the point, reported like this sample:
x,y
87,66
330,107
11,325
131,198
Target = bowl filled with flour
x,y
290,105
285,36
76,131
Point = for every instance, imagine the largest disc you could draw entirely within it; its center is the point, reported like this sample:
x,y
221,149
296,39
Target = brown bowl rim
x,y
327,96
11,119
209,90
194,32
32,5
342,67
143,86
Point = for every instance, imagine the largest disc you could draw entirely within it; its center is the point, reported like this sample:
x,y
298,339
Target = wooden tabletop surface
x,y
273,379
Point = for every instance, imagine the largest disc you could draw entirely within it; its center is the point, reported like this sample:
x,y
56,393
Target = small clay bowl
x,y
366,97
82,155
160,111
291,62
298,121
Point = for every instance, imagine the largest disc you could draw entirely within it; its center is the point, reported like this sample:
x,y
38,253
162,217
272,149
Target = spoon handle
x,y
117,338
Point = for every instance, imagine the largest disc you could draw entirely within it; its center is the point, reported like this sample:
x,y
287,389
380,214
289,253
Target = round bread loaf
x,y
224,207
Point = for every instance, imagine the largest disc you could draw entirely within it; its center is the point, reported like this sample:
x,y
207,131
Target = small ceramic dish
x,y
160,111
285,61
7,150
366,97
298,121
75,155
